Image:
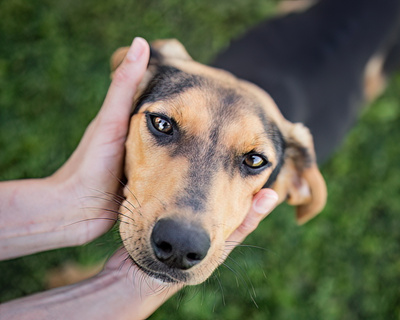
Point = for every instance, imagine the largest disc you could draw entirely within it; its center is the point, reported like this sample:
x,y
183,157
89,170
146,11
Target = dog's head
x,y
201,144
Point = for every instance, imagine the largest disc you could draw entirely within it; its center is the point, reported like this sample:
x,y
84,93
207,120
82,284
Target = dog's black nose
x,y
178,244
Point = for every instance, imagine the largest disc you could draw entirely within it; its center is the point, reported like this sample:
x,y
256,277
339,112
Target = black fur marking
x,y
204,162
155,56
279,143
207,155
167,83
280,146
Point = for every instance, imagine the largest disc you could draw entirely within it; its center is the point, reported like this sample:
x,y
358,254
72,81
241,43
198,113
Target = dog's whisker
x,y
132,205
123,263
123,184
245,280
221,290
119,214
109,193
135,208
241,245
116,199
180,297
121,204
244,271
133,195
99,218
122,200
113,200
238,276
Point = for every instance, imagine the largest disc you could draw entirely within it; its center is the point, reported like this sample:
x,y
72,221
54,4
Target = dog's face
x,y
201,144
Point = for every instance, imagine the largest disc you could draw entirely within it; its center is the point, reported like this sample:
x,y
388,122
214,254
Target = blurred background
x,y
54,74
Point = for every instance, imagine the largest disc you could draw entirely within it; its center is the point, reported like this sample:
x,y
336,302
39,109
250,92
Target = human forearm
x,y
120,291
79,202
35,216
113,294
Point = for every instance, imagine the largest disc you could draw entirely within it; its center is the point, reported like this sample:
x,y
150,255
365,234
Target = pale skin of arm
x,y
120,292
43,214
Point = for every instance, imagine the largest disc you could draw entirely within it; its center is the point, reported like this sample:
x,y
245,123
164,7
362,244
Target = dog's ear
x,y
117,58
299,181
160,51
169,49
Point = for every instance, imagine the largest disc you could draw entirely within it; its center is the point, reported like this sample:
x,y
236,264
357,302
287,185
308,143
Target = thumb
x,y
118,103
263,203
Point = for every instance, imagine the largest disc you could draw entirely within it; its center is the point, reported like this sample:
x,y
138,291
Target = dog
x,y
201,143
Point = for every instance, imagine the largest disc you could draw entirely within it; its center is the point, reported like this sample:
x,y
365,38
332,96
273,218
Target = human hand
x,y
89,181
76,204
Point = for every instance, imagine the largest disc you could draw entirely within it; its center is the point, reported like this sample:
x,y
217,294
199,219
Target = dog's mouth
x,y
161,276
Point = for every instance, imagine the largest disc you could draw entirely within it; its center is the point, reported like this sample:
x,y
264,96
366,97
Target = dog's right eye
x,y
161,124
254,163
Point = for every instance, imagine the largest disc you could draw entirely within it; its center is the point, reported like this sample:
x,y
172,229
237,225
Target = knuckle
x,y
247,226
125,75
122,75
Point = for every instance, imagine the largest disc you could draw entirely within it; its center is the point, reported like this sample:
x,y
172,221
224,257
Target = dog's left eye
x,y
161,124
254,161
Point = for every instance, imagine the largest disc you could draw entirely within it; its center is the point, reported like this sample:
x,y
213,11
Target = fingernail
x,y
136,49
265,203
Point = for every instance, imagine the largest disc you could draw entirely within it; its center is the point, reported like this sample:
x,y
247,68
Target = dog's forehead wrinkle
x,y
167,83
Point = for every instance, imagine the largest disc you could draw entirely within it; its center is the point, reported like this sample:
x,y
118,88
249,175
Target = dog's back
x,y
321,64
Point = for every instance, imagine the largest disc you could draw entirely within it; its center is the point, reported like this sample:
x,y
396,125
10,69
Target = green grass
x,y
54,74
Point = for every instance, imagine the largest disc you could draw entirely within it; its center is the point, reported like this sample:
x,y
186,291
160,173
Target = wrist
x,y
122,293
80,217
33,217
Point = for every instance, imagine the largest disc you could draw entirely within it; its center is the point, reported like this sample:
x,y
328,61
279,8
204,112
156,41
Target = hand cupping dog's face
x,y
201,144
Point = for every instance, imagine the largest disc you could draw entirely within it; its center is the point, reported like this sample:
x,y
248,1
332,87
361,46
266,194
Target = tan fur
x,y
291,6
71,272
374,80
155,179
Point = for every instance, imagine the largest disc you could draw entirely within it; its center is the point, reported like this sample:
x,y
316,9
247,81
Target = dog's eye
x,y
254,161
161,124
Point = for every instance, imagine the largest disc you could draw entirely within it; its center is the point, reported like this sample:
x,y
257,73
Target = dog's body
x,y
321,65
202,142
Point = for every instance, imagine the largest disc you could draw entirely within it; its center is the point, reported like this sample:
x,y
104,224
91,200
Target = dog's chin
x,y
160,278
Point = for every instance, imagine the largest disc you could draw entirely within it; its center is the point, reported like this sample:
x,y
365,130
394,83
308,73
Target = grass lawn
x,y
54,74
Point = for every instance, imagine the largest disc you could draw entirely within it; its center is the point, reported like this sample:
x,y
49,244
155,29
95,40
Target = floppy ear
x,y
160,52
300,182
170,49
117,58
